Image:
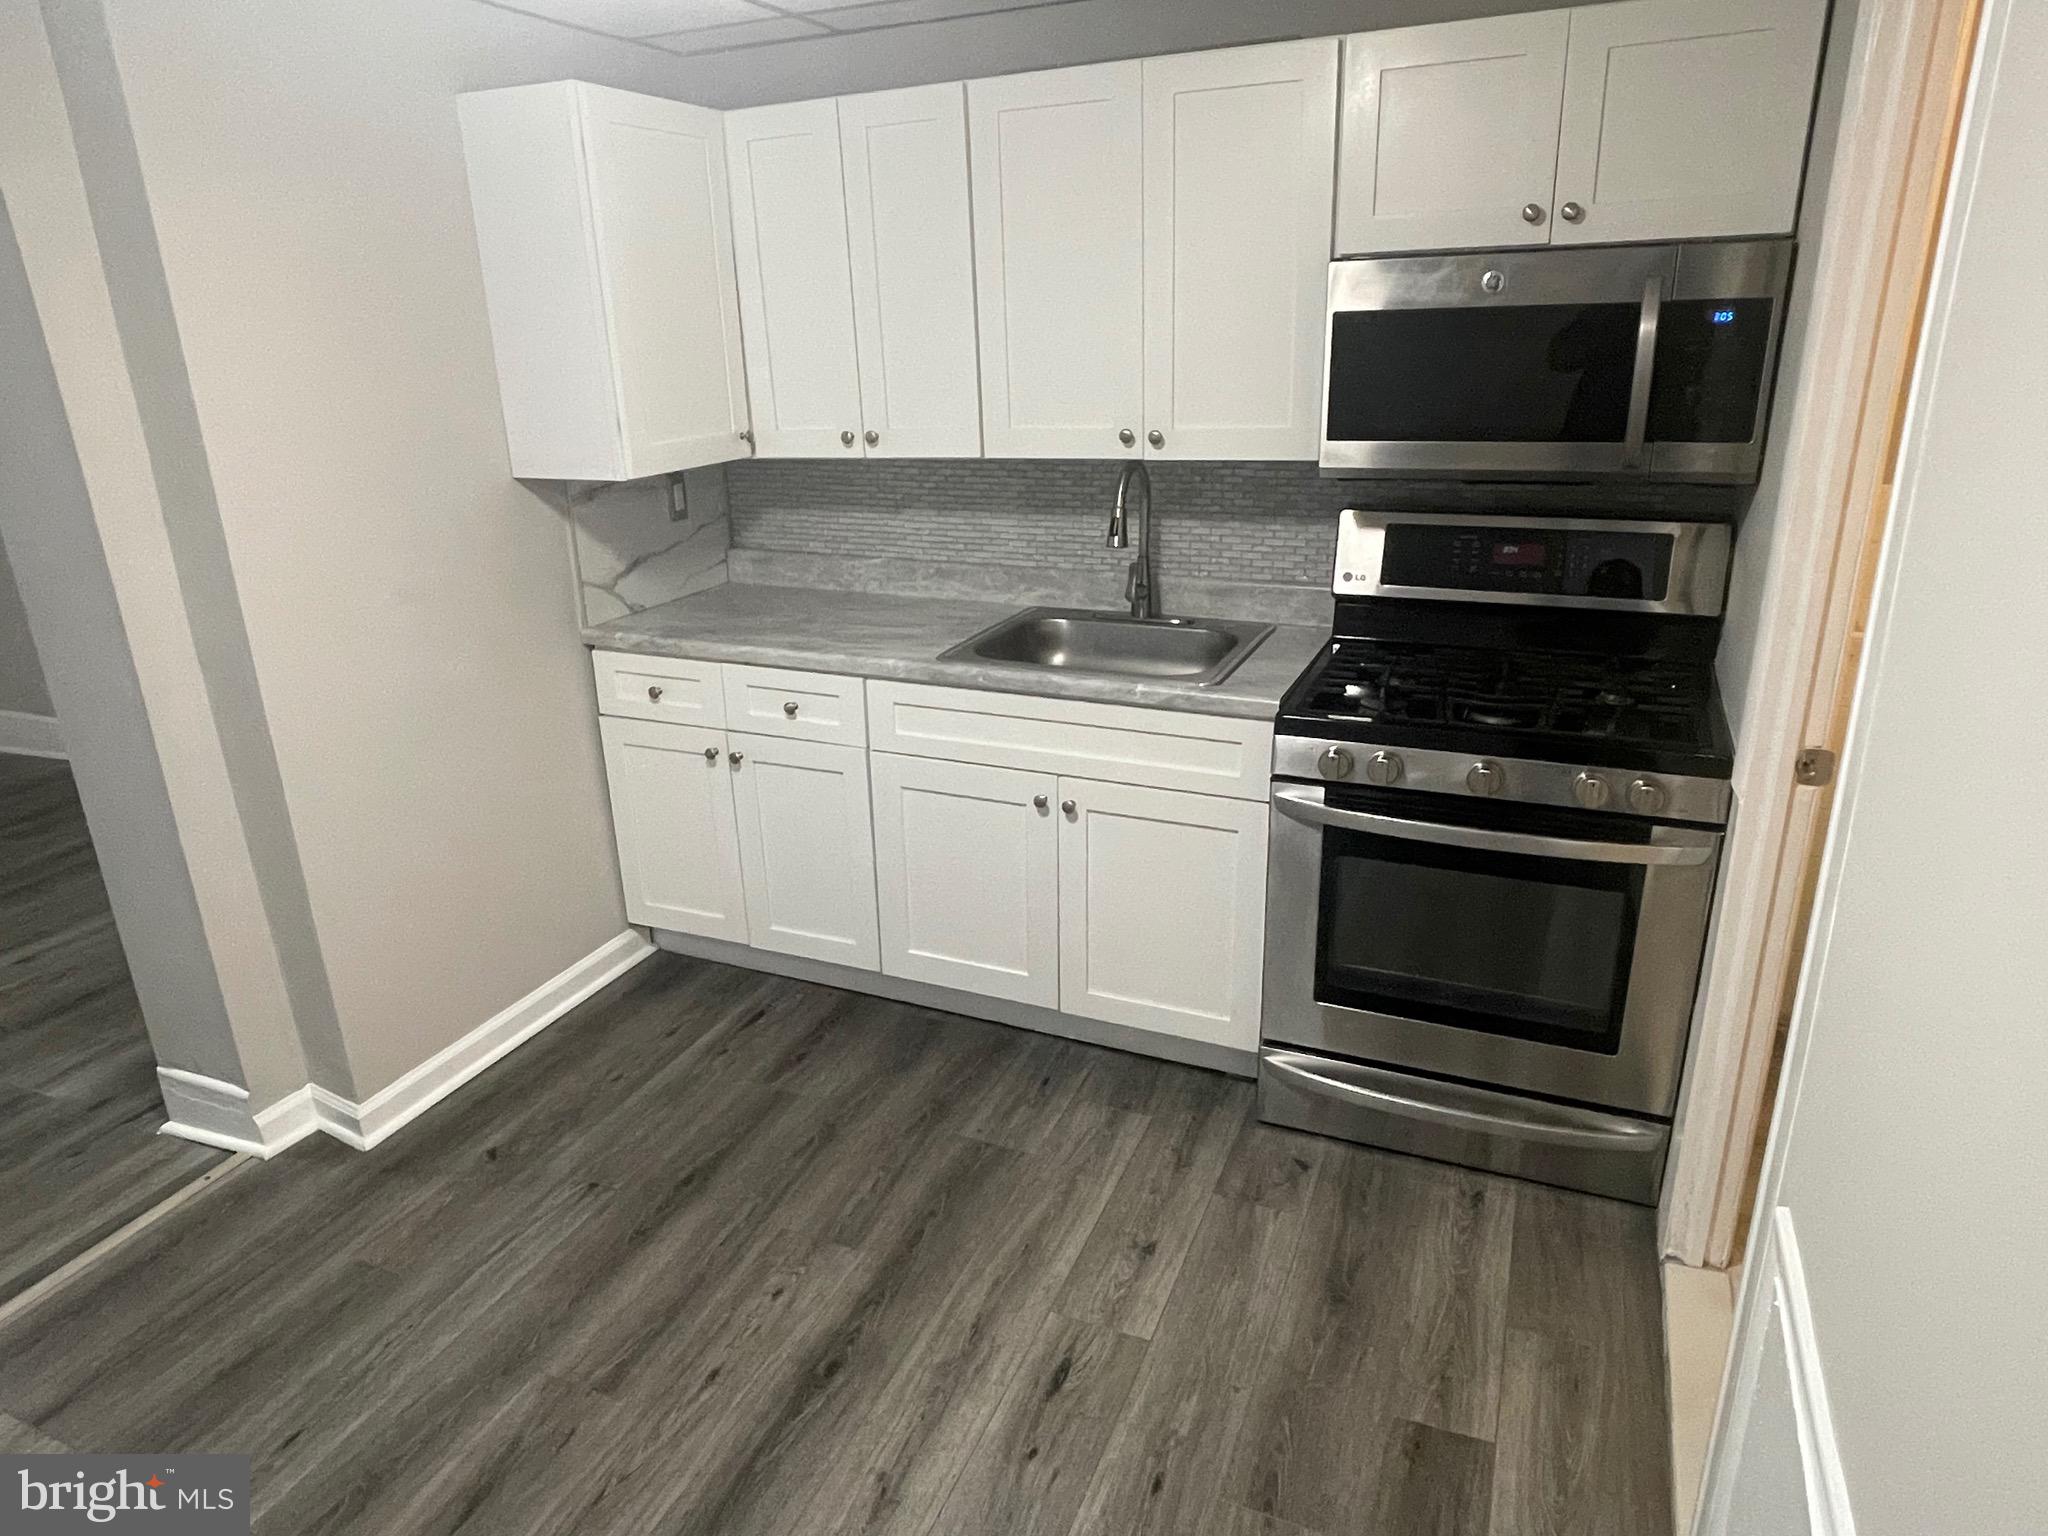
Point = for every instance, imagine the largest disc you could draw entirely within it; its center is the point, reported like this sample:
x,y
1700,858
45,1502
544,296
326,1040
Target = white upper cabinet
x,y
1450,134
911,238
796,291
602,229
1239,155
1686,118
1059,246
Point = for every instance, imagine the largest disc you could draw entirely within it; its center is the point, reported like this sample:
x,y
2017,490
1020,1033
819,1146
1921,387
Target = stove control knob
x,y
1383,768
1334,764
1591,791
1486,779
1647,796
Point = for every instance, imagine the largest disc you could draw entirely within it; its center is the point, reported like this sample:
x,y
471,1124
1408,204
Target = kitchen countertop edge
x,y
899,639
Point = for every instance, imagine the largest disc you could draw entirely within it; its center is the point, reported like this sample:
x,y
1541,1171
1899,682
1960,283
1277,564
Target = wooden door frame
x,y
1905,80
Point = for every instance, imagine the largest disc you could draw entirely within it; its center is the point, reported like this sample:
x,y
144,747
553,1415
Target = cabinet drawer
x,y
805,706
658,688
1112,742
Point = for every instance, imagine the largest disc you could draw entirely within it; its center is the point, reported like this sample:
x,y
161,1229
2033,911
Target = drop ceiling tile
x,y
774,29
642,18
844,17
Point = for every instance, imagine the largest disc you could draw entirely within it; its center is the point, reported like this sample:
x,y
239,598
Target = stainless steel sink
x,y
1200,652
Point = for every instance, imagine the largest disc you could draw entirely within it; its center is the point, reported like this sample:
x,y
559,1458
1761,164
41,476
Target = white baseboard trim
x,y
363,1125
217,1114
206,1110
30,735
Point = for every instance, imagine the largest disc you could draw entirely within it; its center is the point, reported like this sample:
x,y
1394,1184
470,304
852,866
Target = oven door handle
x,y
1681,846
1555,1125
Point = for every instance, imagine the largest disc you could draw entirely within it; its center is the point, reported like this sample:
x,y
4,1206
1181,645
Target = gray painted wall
x,y
412,643
21,671
47,519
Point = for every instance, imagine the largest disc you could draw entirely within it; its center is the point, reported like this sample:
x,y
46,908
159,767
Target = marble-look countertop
x,y
877,634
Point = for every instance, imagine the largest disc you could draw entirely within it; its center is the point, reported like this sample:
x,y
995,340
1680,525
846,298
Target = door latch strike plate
x,y
1815,766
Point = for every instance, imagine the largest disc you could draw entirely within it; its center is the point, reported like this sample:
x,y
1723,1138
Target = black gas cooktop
x,y
1645,705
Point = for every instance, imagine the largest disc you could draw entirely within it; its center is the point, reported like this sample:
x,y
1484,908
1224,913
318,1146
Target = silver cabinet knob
x,y
746,435
1068,806
1572,213
1156,438
1335,763
1647,796
871,436
1532,213
654,693
737,758
846,437
1127,437
1383,768
1592,791
711,754
789,709
1485,778
1038,802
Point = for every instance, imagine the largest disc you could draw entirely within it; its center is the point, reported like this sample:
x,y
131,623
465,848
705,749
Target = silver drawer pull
x,y
711,754
789,709
1038,801
654,693
737,758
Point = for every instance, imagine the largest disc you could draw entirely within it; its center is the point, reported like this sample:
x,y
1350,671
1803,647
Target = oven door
x,y
1536,950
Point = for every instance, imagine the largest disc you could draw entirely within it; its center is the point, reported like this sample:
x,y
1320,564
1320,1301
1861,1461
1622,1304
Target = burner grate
x,y
1647,698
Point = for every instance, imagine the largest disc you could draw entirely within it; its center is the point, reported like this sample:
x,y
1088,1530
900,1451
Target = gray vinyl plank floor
x,y
726,1253
80,1155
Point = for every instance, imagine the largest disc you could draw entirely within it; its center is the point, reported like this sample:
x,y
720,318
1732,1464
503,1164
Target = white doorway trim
x,y
1888,178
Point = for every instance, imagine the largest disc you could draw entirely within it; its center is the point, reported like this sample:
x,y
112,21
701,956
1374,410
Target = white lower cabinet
x,y
672,808
1132,904
806,856
967,873
1162,910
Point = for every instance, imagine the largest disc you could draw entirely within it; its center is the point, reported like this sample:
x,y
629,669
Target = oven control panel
x,y
1580,562
1555,562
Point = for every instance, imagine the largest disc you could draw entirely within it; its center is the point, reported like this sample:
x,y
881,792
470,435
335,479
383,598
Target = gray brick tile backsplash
x,y
1211,521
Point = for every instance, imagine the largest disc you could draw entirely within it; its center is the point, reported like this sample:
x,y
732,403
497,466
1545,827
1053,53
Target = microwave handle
x,y
1635,448
1685,847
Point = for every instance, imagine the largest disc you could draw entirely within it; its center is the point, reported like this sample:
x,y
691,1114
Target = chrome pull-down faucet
x,y
1138,584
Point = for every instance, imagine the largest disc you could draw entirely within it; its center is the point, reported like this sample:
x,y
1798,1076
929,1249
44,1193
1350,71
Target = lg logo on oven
x,y
164,1495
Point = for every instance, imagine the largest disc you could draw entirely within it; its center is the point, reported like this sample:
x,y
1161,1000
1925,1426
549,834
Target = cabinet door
x,y
796,295
1686,118
1163,910
806,849
659,215
1059,260
1239,147
912,253
672,809
967,868
1449,134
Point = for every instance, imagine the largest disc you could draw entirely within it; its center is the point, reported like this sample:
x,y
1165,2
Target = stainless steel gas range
x,y
1497,808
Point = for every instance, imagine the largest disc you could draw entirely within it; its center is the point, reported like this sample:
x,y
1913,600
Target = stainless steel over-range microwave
x,y
1641,361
